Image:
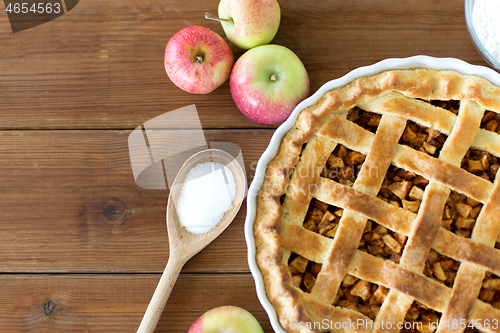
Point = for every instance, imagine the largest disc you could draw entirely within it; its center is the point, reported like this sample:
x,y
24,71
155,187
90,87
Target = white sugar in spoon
x,y
184,244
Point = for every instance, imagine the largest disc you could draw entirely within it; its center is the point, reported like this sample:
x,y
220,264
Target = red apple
x,y
267,82
230,319
198,60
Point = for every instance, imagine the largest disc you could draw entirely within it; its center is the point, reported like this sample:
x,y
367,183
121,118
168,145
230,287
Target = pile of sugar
x,y
208,190
486,21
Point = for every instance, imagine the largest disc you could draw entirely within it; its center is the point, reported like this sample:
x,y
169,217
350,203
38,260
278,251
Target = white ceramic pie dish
x,y
270,152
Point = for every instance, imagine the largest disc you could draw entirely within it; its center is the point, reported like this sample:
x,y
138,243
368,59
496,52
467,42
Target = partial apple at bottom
x,y
226,319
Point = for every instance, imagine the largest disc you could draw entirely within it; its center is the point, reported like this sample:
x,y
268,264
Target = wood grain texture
x,y
70,92
56,192
101,65
115,303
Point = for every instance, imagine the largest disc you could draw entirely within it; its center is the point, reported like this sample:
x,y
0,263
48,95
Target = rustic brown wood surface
x,y
58,191
82,246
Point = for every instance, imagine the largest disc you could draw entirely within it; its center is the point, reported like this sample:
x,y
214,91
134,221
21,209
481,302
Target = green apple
x,y
267,82
249,23
230,319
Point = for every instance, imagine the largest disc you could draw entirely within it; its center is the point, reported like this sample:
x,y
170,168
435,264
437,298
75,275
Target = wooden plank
x,y
68,203
116,303
101,65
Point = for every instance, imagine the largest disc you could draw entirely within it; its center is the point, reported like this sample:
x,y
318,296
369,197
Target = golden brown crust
x,y
398,96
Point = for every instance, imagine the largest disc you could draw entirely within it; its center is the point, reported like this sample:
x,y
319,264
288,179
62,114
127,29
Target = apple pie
x,y
381,209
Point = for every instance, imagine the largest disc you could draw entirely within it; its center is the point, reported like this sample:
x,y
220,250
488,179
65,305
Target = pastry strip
x,y
304,242
390,216
354,137
464,292
488,141
351,225
431,210
468,250
470,277
413,109
304,177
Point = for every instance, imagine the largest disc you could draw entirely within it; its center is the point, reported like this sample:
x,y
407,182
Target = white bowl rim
x,y
469,4
418,61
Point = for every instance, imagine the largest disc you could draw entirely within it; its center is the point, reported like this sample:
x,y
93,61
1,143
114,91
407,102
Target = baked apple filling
x,y
425,319
382,242
368,120
360,295
490,290
303,271
343,165
441,268
460,214
490,121
322,218
403,188
451,105
423,139
481,163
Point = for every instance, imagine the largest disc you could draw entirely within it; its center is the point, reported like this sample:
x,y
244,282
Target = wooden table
x,y
82,247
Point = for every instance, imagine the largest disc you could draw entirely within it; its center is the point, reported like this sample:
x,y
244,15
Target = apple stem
x,y
199,59
209,16
273,77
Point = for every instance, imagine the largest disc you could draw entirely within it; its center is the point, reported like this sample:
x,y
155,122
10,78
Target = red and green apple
x,y
267,82
249,23
198,60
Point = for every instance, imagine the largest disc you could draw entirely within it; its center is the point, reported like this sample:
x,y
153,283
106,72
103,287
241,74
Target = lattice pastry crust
x,y
294,178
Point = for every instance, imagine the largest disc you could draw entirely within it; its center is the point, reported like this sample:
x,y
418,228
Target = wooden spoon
x,y
184,244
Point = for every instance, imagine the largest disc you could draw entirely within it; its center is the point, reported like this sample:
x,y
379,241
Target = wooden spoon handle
x,y
161,294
